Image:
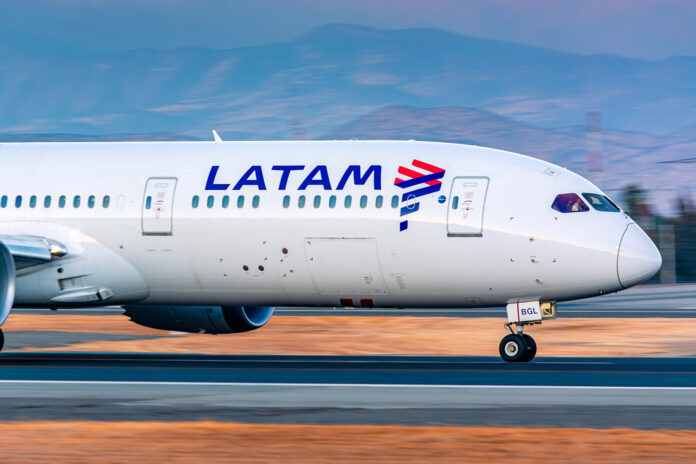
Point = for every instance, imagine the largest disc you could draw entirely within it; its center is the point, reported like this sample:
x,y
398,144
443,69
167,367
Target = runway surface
x,y
566,392
648,393
674,301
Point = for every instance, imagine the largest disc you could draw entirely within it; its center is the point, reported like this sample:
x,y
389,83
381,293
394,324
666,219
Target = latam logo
x,y
424,181
318,176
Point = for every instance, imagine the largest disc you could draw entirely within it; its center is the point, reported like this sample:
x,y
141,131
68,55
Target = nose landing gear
x,y
513,348
517,347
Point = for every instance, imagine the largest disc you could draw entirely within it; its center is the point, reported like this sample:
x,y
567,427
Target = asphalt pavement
x,y
567,392
561,392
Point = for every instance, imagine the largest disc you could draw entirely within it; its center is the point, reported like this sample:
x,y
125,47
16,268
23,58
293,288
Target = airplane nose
x,y
639,258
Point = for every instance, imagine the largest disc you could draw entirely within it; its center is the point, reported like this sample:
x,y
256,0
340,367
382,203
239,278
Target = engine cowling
x,y
200,319
8,275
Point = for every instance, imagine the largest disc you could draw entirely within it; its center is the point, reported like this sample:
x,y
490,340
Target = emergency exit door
x,y
467,202
157,206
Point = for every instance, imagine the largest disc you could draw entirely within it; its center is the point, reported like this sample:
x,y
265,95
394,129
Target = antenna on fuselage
x,y
216,137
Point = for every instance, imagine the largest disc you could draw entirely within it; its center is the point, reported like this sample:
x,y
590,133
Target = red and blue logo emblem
x,y
423,180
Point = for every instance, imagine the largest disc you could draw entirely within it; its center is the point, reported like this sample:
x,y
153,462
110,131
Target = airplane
x,y
210,237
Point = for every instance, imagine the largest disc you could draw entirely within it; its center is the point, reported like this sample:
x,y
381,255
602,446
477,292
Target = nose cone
x,y
639,258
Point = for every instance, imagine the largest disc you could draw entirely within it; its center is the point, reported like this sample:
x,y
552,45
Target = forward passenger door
x,y
466,206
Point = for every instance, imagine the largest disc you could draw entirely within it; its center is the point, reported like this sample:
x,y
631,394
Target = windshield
x,y
601,203
569,203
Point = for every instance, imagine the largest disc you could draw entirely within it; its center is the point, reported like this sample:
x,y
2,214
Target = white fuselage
x,y
500,242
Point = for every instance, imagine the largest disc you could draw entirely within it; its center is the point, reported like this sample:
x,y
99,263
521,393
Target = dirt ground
x,y
212,442
352,335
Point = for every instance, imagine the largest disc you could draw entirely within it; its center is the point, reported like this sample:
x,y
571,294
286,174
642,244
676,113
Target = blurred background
x,y
607,89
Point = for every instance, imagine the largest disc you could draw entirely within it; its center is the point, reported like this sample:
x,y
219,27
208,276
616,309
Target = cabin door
x,y
158,203
466,207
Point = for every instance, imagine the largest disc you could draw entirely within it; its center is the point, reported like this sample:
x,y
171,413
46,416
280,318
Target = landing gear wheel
x,y
513,348
531,347
2,340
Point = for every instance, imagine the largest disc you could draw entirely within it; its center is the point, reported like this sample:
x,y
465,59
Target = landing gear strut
x,y
517,347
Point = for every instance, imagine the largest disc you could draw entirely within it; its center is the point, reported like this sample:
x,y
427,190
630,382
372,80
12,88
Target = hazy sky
x,y
637,28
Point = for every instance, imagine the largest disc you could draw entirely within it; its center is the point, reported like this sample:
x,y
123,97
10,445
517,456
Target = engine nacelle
x,y
200,319
8,275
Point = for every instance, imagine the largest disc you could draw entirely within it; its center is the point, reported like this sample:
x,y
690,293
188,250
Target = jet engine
x,y
200,319
7,282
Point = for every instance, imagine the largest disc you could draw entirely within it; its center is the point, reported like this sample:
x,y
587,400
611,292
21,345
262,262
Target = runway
x,y
568,392
401,370
603,392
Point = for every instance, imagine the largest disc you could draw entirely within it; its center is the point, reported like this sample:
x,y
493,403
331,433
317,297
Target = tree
x,y
685,205
631,197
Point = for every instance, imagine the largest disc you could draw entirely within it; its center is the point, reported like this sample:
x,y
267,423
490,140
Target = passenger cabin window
x,y
569,203
332,201
363,201
91,201
211,201
455,202
61,201
395,201
317,201
148,202
286,201
32,201
106,201
47,201
255,201
226,201
76,201
240,201
301,201
18,201
348,201
378,201
3,201
601,203
194,201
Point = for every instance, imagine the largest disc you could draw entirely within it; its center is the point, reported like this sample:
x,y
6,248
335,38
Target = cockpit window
x,y
601,203
612,203
569,203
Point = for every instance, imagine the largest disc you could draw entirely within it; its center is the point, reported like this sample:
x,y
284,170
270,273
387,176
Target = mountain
x,y
465,125
57,137
312,85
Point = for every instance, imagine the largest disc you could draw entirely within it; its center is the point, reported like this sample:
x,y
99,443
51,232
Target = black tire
x,y
531,347
2,340
513,348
